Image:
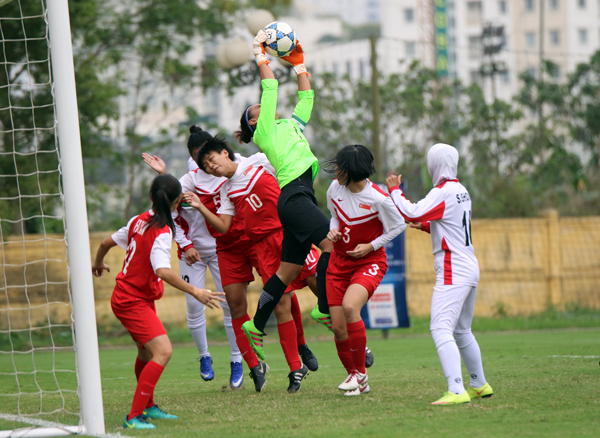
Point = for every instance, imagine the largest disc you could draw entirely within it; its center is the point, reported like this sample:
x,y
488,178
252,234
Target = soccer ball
x,y
281,39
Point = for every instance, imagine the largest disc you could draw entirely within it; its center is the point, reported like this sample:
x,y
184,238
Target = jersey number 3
x,y
466,224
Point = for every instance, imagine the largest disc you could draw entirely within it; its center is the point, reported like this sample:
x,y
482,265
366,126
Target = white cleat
x,y
350,383
362,389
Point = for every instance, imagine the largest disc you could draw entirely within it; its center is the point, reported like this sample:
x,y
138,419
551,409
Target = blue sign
x,y
387,307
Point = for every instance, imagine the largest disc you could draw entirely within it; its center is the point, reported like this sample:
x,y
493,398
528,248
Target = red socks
x,y
297,315
145,388
289,345
242,341
343,349
139,367
358,342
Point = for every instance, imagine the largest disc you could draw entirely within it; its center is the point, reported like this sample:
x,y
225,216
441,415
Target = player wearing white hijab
x,y
445,213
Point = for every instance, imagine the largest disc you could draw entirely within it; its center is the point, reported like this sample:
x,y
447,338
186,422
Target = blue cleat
x,y
206,370
156,413
137,423
237,375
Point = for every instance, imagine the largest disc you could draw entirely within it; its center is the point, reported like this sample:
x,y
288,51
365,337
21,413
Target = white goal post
x,y
77,236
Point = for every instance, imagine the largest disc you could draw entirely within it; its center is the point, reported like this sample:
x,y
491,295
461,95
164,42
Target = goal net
x,y
46,294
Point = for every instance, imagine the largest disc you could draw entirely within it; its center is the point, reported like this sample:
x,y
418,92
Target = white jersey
x,y
191,227
192,165
446,213
366,217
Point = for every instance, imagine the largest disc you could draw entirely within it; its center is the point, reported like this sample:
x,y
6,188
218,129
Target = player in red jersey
x,y
147,239
236,258
363,219
252,192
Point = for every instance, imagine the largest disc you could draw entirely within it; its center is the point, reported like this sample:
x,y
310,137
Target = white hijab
x,y
442,163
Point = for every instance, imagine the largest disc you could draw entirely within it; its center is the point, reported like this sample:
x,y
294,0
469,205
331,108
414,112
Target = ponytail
x,y
246,132
165,190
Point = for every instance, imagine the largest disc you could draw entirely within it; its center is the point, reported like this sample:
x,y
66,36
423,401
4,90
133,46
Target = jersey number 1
x,y
466,223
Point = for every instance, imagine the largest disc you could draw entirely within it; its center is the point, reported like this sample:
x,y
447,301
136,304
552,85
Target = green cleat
x,y
156,413
449,398
485,391
137,423
321,318
255,336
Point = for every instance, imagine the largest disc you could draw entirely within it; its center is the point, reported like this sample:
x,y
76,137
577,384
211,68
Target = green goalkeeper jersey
x,y
283,141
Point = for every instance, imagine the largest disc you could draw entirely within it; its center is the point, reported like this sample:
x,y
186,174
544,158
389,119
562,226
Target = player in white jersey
x,y
446,213
363,220
196,251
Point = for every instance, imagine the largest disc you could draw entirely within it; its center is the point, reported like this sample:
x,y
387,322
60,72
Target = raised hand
x,y
296,58
155,163
393,181
258,47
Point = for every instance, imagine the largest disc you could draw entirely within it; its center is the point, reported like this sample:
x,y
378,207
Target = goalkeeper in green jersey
x,y
284,144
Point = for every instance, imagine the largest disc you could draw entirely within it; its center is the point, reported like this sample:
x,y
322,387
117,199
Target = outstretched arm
x,y
155,163
221,223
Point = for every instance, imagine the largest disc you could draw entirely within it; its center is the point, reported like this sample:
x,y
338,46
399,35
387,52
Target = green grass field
x,y
545,382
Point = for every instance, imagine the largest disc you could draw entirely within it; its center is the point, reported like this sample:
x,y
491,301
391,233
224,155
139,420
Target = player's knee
x,y
196,320
463,339
339,331
326,245
441,336
349,311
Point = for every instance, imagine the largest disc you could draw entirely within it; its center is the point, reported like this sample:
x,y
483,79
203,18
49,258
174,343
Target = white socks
x,y
197,326
236,356
450,359
471,356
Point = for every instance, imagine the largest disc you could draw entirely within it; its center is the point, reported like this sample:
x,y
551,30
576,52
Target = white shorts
x,y
196,276
452,307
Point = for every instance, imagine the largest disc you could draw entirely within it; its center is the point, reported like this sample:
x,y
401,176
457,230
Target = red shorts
x,y
344,271
236,262
137,315
308,270
269,248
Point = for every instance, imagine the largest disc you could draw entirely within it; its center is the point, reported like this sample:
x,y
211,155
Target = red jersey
x,y
148,249
253,191
208,189
369,216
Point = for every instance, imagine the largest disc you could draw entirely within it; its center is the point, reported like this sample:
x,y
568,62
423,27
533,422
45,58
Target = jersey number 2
x,y
130,252
466,223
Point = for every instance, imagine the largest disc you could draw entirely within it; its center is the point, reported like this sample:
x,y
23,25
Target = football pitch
x,y
546,383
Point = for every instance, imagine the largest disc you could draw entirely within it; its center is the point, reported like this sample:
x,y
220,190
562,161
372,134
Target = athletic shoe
x,y
156,413
308,357
296,378
255,336
369,359
137,423
449,398
257,374
321,318
206,370
350,383
237,375
362,389
485,391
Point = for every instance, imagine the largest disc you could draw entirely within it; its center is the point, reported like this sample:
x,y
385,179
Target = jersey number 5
x,y
466,224
130,252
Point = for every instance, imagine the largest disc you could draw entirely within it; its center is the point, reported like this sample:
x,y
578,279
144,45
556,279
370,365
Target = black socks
x,y
272,292
322,265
